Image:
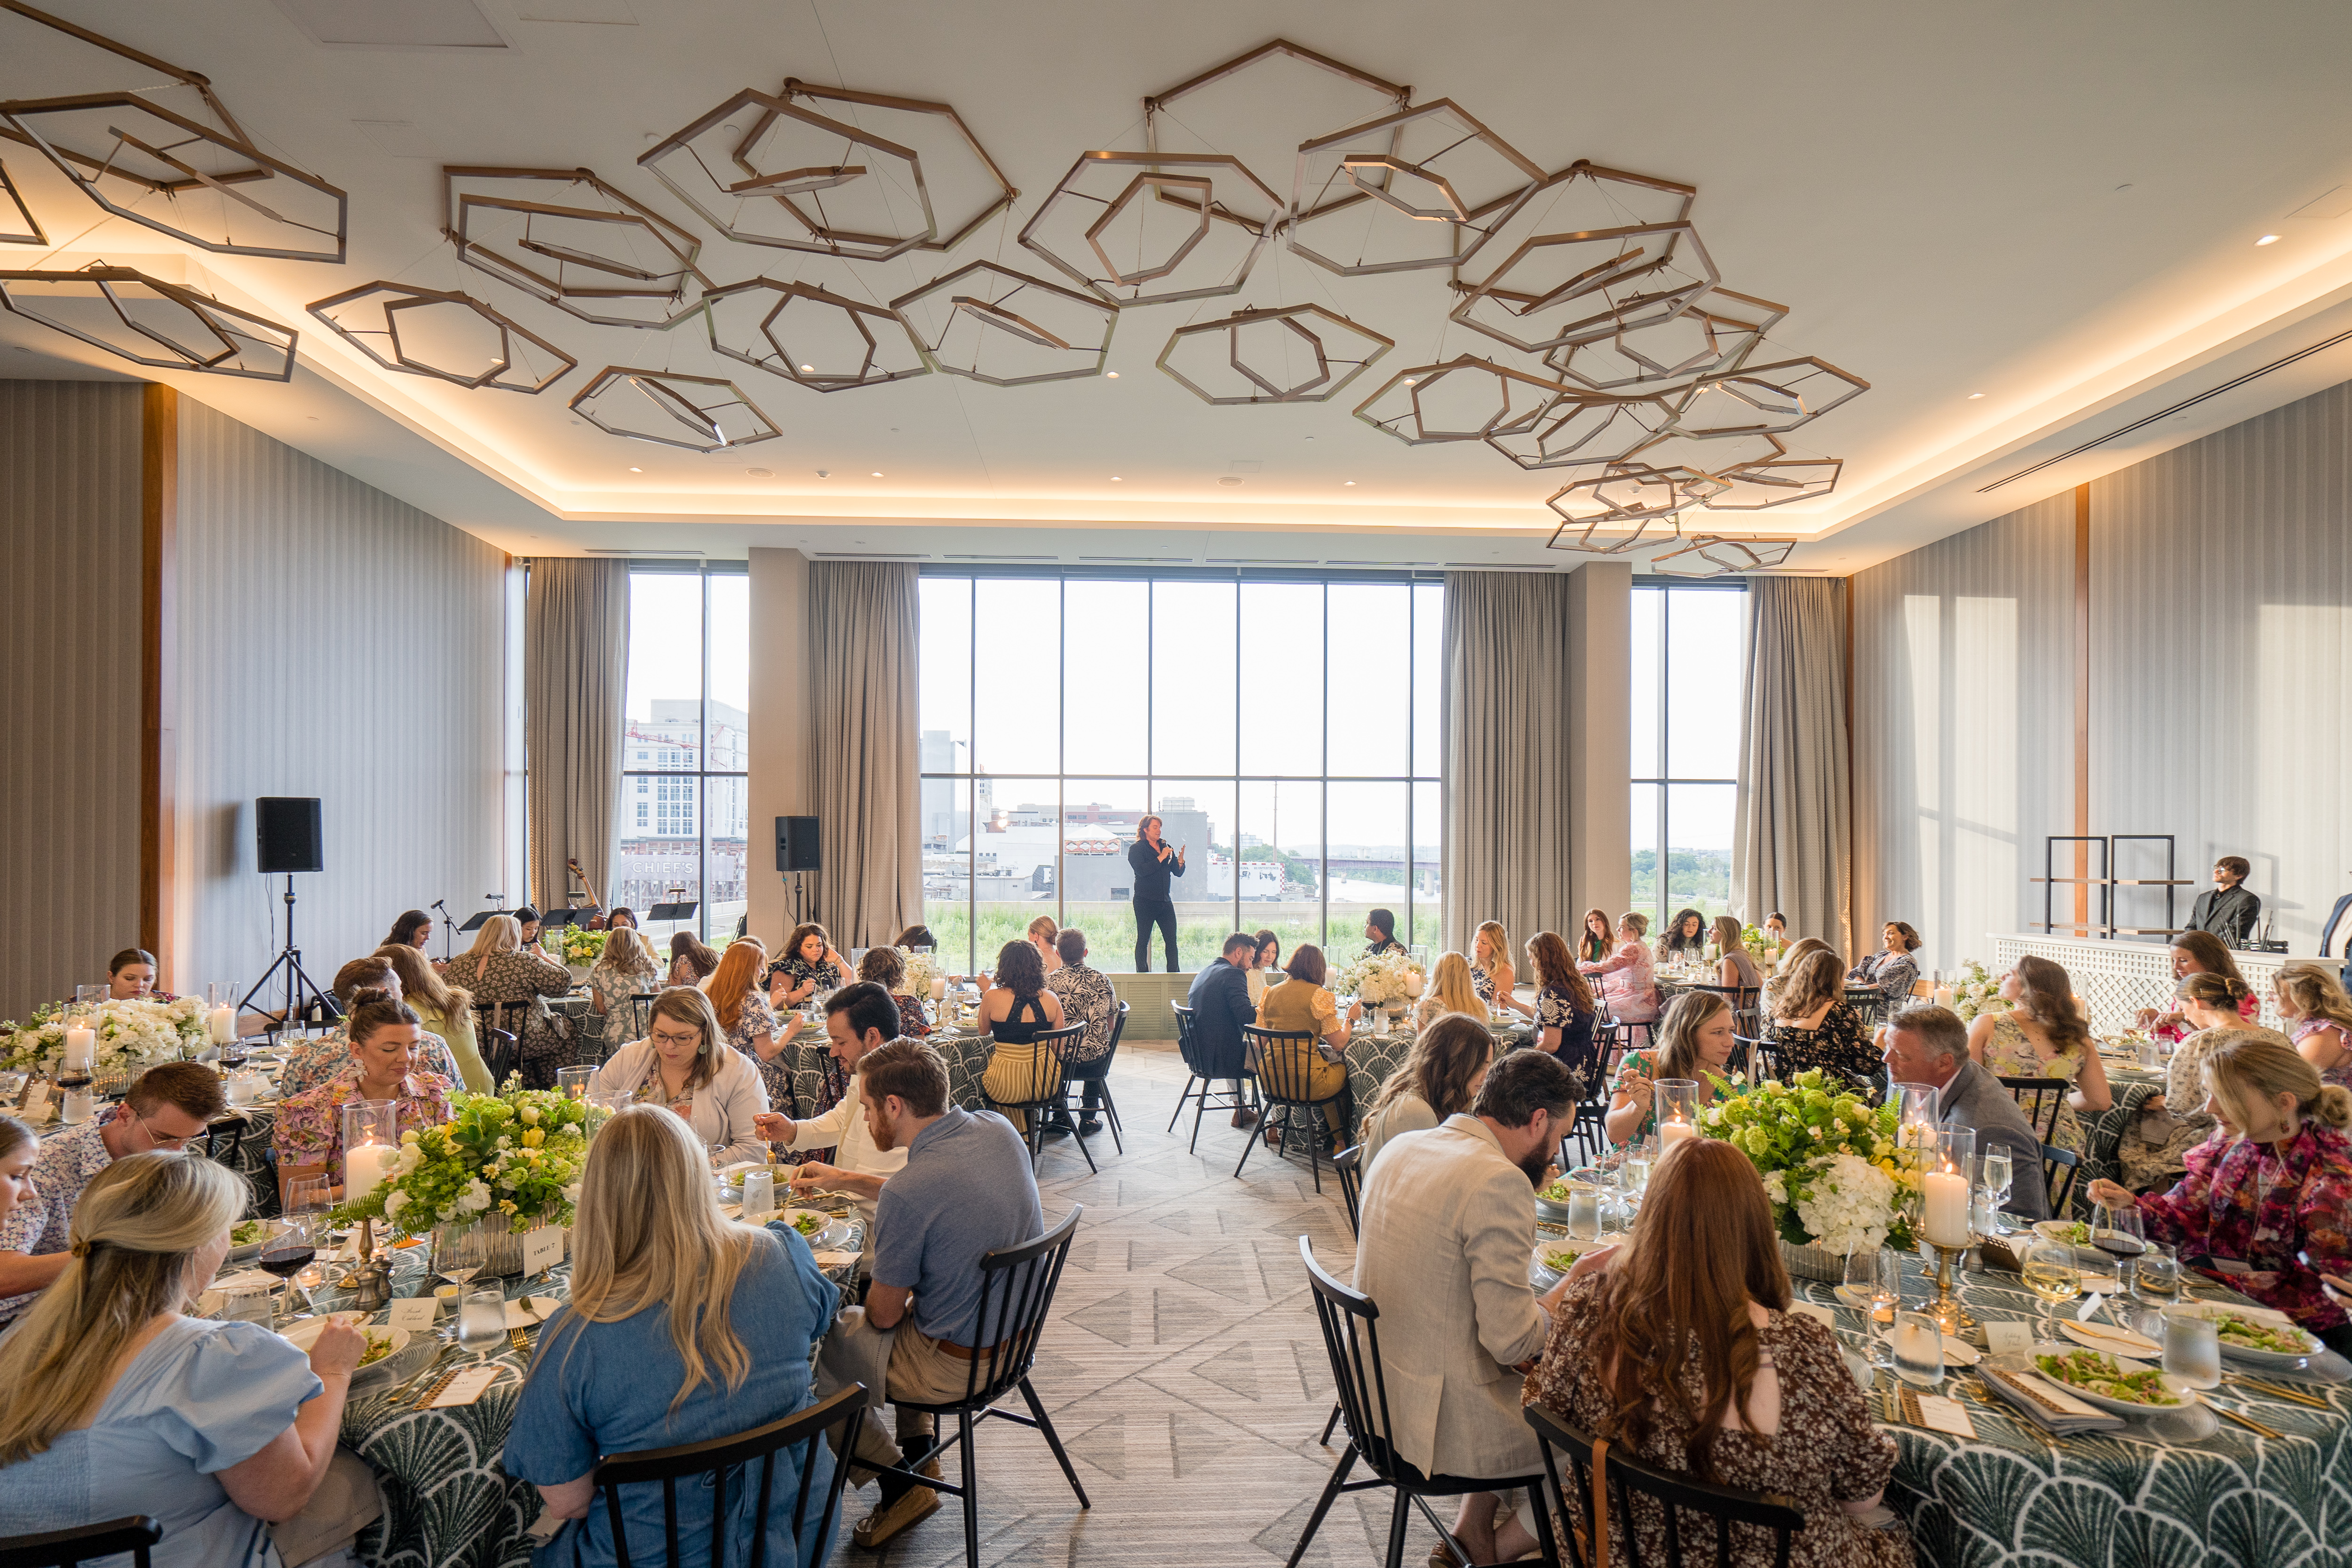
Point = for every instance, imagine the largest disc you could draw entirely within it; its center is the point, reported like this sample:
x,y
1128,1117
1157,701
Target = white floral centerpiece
x,y
1978,993
1382,980
132,1035
1830,1161
920,973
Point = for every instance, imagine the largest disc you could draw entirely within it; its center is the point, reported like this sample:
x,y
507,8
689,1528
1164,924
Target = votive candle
x,y
1948,1208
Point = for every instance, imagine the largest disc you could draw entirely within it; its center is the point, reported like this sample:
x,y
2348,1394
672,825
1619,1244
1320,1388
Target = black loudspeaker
x,y
797,845
286,832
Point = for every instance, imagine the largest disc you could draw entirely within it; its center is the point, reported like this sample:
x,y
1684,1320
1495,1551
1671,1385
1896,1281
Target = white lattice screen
x,y
2117,979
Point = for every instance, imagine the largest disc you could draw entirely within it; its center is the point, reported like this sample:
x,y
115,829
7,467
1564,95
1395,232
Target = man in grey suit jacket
x,y
1449,1221
1930,1046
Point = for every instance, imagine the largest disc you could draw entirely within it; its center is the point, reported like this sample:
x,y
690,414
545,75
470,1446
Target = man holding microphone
x,y
1152,863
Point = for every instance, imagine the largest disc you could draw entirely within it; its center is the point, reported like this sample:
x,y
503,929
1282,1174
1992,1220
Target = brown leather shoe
x,y
916,1505
1244,1117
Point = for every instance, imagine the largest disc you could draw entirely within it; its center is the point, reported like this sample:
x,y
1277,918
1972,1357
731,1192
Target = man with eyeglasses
x,y
168,1108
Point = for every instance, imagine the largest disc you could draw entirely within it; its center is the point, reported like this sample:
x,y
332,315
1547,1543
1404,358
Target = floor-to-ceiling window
x,y
684,806
1689,661
1284,728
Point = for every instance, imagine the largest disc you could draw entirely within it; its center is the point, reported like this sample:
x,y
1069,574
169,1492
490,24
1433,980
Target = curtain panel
x,y
575,677
1792,835
862,620
1507,749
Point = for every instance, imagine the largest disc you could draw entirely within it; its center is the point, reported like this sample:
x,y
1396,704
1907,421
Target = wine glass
x,y
1872,1285
460,1252
288,1253
2117,1230
1998,1178
2052,1274
311,1196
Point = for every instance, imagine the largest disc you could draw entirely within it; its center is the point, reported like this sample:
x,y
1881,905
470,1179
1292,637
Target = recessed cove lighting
x,y
762,473
1112,374
1115,479
1974,396
2268,239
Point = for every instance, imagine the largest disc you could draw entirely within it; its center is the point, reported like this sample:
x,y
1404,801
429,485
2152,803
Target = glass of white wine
x,y
1998,1180
2052,1274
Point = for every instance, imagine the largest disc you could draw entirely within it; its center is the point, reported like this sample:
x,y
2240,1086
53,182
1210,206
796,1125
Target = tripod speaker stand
x,y
287,838
301,992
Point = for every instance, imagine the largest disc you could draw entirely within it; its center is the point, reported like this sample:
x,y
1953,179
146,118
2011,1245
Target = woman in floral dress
x,y
809,965
1565,1013
384,1041
1811,1027
2043,1035
745,1020
2319,1018
2273,1194
1639,1354
499,968
2154,1151
627,968
2196,952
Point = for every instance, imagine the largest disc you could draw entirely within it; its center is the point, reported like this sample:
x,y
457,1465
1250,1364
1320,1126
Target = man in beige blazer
x,y
1449,1227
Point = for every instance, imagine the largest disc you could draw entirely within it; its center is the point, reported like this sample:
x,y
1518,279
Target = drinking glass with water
x,y
482,1321
2192,1347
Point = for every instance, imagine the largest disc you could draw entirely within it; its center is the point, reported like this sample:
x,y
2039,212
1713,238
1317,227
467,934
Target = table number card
x,y
2090,1307
36,1103
414,1313
2008,1338
465,1387
542,1248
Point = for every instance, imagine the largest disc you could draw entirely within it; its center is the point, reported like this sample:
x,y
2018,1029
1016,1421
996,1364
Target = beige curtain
x,y
1504,715
576,672
866,763
1792,837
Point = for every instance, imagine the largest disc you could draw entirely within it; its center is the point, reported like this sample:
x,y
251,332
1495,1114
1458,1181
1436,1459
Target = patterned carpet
x,y
1182,1366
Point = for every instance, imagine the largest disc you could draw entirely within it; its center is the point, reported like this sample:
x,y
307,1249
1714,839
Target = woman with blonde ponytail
x,y
117,1402
683,1327
2274,1193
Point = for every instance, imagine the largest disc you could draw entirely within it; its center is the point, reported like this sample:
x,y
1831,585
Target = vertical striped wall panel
x,y
333,642
71,532
1963,730
2221,657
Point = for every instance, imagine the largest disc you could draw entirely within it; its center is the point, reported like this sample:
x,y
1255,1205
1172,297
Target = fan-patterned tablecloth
x,y
2012,1497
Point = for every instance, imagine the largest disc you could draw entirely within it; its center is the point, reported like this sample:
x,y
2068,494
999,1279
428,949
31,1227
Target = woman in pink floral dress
x,y
2319,1018
310,1137
2273,1192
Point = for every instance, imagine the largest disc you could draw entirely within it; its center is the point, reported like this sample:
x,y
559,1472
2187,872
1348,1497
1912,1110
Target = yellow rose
x,y
534,1137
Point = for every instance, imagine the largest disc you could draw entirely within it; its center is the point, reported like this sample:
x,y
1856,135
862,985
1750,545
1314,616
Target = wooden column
x,y
2083,711
158,701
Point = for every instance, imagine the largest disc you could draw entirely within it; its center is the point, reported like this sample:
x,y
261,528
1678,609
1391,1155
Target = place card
x,y
413,1313
542,1248
465,1387
1814,1311
36,1103
2090,1307
2008,1338
1939,1413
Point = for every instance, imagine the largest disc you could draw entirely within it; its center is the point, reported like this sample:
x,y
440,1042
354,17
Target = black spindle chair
x,y
1016,1292
1352,1340
1630,1491
2040,1099
501,1048
2060,1167
1745,1017
134,1533
1096,1074
713,1462
1286,1061
1204,1096
1043,1088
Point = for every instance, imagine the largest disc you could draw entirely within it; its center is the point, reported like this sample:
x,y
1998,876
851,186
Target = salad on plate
x,y
2247,1334
2097,1373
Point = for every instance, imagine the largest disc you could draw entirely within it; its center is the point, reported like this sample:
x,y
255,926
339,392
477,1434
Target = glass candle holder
x,y
220,1011
1947,1179
370,1145
1677,1101
572,1082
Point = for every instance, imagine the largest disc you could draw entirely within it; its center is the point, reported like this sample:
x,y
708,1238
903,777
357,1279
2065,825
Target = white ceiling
x,y
2055,206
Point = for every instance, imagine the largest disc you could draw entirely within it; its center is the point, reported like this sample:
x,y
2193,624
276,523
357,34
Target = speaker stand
x,y
300,989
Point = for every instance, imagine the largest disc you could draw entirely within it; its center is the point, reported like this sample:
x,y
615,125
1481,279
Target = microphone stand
x,y
448,928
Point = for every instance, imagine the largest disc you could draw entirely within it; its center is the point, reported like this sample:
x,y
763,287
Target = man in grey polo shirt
x,y
966,1189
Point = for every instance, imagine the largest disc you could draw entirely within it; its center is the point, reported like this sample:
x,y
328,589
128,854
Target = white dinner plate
x,y
252,1250
2107,1337
305,1334
2187,1395
2246,1355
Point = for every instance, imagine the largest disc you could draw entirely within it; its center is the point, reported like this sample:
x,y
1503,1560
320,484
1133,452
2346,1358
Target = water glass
x,y
1918,1349
1874,1287
2158,1278
247,1304
482,1321
2151,1052
2192,1347
1997,1175
1587,1206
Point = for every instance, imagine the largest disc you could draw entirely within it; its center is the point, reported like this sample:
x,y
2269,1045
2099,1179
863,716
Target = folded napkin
x,y
2046,1405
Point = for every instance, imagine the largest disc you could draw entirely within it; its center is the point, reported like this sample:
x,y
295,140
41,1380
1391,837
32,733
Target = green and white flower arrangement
x,y
515,1155
1831,1163
132,1035
919,972
1382,980
1978,993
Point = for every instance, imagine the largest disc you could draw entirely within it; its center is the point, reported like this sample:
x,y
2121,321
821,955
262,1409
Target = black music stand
x,y
553,919
677,912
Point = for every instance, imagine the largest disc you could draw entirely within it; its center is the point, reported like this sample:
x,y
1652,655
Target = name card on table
x,y
542,1248
414,1313
1814,1311
1938,1413
467,1386
36,1104
2008,1338
2090,1307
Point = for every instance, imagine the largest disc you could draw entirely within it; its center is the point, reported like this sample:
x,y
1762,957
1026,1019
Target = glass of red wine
x,y
288,1253
2117,1230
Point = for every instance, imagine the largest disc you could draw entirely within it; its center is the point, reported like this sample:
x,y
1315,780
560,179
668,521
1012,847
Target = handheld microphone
x,y
440,903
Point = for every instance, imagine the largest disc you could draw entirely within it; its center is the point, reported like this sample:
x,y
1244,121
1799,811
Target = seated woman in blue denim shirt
x,y
683,1327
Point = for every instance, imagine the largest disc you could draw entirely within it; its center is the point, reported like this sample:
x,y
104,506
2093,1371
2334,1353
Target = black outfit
x,y
1386,944
2228,915
1152,904
1220,1001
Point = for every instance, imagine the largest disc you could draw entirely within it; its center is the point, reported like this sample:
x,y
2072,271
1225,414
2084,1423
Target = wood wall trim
x,y
158,704
2082,710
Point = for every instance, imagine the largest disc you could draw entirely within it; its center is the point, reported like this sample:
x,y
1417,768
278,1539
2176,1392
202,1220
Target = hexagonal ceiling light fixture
x,y
1555,290
1717,555
1774,481
1396,193
988,324
144,319
619,263
1464,399
670,409
768,169
23,228
1722,329
821,339
1581,427
221,195
1582,197
1290,354
450,336
1153,228
1765,399
1627,498
1244,99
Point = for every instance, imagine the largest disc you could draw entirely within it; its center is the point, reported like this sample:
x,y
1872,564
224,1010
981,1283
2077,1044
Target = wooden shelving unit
x,y
2106,926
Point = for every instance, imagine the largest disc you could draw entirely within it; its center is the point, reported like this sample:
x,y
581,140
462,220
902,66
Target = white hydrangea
x,y
1849,1207
394,1204
1776,1185
474,1199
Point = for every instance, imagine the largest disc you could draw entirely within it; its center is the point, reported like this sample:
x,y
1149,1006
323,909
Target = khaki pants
x,y
901,1364
346,1502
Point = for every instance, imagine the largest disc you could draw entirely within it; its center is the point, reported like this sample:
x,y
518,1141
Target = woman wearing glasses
x,y
685,1065
385,1040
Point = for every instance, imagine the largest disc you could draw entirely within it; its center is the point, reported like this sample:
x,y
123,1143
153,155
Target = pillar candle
x,y
222,1023
1944,996
938,987
1673,1132
366,1168
81,1049
1948,1208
